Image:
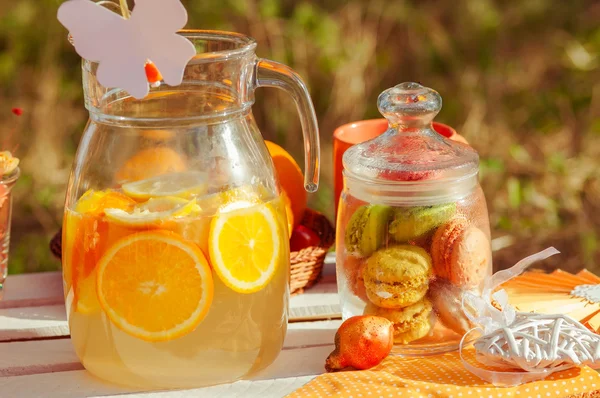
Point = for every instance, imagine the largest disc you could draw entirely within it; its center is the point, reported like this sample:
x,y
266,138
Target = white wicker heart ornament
x,y
524,346
122,47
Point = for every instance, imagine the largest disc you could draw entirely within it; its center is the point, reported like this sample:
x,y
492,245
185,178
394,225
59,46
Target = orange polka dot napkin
x,y
443,376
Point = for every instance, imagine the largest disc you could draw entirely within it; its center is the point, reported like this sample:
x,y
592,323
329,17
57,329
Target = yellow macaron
x,y
410,323
397,276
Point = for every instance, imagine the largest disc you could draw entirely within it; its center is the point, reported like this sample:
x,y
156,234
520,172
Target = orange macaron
x,y
461,253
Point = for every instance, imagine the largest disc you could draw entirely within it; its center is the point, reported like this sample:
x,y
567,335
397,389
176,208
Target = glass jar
x,y
175,242
412,230
7,182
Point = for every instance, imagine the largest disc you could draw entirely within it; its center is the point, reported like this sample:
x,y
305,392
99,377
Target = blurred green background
x,y
520,80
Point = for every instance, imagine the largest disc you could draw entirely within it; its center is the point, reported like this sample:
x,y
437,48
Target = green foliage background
x,y
520,80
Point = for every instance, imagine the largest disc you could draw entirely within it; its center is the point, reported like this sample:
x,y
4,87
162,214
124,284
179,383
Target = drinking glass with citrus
x,y
176,230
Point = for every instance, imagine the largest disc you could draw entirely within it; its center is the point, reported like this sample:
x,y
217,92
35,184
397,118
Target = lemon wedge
x,y
154,211
231,199
185,185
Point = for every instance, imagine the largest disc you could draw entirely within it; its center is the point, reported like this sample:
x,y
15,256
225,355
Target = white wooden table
x,y
37,359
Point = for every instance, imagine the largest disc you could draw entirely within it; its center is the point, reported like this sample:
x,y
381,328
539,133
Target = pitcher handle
x,y
273,74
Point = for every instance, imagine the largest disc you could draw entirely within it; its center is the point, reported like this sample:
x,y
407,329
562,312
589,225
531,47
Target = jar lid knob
x,y
409,104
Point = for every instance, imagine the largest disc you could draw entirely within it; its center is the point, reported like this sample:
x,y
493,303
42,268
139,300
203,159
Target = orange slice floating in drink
x,y
87,300
244,246
88,236
95,202
151,273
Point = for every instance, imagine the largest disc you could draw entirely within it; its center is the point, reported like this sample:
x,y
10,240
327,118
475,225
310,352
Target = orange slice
x,y
87,300
244,246
148,274
86,235
97,201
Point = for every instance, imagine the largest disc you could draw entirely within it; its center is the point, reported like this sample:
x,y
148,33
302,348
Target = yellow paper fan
x,y
559,292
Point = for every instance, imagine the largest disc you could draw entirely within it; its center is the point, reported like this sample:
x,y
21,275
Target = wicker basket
x,y
305,265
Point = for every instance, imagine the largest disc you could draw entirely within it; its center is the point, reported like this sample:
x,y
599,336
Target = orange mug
x,y
354,133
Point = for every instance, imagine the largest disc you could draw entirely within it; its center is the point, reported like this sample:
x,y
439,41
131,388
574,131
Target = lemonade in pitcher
x,y
161,284
175,236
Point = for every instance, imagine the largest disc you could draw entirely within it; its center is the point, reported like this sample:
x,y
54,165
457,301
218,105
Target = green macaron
x,y
367,229
414,222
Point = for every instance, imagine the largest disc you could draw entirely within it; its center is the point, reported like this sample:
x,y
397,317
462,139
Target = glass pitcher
x,y
175,248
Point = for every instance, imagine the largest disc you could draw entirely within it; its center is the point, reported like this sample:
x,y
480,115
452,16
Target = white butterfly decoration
x,y
123,46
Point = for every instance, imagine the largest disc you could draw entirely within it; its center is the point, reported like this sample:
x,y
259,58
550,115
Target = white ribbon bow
x,y
489,319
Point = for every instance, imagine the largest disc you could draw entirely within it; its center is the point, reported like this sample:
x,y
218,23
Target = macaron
x,y
447,304
366,231
461,253
397,276
410,323
410,223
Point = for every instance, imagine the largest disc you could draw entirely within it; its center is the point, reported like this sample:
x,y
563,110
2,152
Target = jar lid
x,y
410,156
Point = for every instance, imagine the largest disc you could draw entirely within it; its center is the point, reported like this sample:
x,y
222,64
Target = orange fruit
x,y
151,162
152,273
244,246
290,178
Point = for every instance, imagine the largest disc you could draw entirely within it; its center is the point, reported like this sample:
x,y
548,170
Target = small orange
x,y
151,162
290,178
152,273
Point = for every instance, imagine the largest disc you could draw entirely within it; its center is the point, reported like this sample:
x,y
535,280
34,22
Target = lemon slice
x,y
155,285
185,185
244,246
232,198
154,211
